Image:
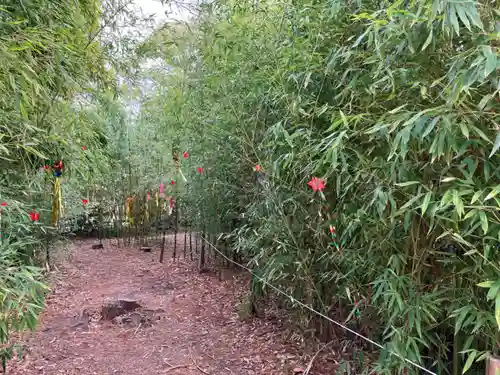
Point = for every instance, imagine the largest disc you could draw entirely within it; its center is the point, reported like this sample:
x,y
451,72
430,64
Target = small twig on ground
x,y
176,367
138,327
211,356
203,371
196,364
309,366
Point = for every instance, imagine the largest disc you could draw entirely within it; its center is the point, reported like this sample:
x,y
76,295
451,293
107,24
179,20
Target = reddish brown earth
x,y
193,327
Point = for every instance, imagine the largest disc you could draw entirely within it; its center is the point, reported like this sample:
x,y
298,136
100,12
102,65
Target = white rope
x,y
317,312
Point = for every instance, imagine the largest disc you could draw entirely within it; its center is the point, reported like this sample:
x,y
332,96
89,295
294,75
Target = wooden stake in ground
x,y
493,365
201,263
176,227
162,251
190,244
185,243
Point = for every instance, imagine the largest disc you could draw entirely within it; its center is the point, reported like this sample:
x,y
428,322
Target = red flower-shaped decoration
x,y
186,154
84,148
258,168
3,204
85,201
317,184
200,170
172,182
34,216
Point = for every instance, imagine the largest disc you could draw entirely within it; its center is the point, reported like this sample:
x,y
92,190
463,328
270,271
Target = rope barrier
x,y
293,299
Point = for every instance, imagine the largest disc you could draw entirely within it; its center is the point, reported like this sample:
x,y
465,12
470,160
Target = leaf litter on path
x,y
182,322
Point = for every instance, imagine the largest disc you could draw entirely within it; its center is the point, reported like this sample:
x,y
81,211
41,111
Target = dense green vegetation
x,y
55,77
393,105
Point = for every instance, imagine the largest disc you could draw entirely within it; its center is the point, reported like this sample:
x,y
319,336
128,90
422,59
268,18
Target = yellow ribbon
x,y
57,206
128,207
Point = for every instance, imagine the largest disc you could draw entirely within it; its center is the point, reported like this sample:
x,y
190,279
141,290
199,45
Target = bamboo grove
x,y
58,80
346,150
393,107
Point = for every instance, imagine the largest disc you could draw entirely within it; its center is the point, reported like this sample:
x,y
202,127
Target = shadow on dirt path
x,y
187,323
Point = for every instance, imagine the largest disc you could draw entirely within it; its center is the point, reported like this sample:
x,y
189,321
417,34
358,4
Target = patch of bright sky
x,y
180,10
176,10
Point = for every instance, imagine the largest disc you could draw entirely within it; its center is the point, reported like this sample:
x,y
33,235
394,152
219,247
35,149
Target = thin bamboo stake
x,y
185,243
201,263
162,251
191,244
176,229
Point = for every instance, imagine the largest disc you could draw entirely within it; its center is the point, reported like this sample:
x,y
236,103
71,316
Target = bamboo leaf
x,y
465,130
396,110
470,361
408,183
496,145
24,113
484,221
474,16
344,118
484,101
307,79
486,284
428,40
476,196
459,206
493,193
492,293
426,201
361,37
480,133
453,18
491,63
464,312
431,126
463,17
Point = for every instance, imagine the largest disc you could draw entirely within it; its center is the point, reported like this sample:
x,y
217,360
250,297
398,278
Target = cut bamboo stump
x,y
493,365
120,307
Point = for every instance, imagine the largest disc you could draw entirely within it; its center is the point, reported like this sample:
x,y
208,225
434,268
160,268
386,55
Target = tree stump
x,y
120,307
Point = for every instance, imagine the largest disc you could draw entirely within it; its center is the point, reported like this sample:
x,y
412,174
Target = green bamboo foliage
x,y
51,66
396,105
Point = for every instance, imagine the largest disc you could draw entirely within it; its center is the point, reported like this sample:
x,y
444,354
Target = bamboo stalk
x,y
176,228
162,251
185,243
191,244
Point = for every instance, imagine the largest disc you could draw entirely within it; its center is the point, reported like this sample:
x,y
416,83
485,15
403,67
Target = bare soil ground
x,y
188,322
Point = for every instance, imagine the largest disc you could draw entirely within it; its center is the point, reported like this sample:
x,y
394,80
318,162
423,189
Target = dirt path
x,y
195,326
